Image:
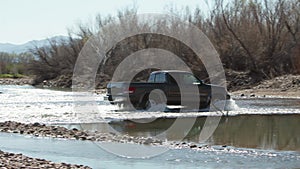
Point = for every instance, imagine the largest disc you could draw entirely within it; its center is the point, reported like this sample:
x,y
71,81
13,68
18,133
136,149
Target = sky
x,y
25,20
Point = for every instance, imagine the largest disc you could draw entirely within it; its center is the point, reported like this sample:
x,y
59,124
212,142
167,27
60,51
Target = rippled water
x,y
269,132
88,153
29,104
258,132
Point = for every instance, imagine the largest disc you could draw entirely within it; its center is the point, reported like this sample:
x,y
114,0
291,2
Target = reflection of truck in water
x,y
164,87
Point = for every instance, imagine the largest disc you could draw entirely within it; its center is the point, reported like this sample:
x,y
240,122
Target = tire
x,y
156,97
152,102
212,101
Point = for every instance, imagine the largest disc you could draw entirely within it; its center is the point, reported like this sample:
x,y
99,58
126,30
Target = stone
x,y
148,141
82,137
193,146
36,124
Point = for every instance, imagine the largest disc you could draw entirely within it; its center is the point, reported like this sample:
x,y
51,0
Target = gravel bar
x,y
16,161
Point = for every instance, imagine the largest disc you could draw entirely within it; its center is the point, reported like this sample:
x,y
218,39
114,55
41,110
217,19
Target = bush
x,y
11,76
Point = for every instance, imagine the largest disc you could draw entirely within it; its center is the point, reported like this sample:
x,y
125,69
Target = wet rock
x,y
158,141
91,138
252,95
82,138
36,124
193,146
112,133
148,141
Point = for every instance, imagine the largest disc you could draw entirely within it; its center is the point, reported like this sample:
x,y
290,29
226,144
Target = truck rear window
x,y
159,78
151,78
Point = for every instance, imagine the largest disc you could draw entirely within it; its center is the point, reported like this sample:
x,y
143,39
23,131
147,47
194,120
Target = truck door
x,y
173,92
189,84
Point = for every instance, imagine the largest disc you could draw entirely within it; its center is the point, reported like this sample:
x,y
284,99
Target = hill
x,y
14,48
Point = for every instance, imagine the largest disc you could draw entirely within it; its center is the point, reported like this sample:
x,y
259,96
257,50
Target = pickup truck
x,y
165,85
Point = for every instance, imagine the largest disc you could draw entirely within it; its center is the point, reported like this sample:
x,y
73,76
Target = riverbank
x,y
286,86
240,86
16,81
263,93
41,130
11,160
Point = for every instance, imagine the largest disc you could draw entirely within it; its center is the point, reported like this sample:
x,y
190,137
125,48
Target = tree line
x,y
13,64
259,37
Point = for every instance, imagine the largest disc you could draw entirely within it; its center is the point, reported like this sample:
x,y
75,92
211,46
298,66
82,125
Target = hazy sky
x,y
25,20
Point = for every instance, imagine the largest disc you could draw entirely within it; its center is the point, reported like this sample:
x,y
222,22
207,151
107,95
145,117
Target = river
x,y
257,133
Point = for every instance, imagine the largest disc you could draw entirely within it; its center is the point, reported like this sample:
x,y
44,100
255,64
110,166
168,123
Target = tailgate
x,y
116,88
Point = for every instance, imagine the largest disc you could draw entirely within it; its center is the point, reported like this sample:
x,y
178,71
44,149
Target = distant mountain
x,y
13,48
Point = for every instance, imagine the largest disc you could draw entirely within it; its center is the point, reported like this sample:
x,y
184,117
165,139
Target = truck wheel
x,y
215,99
156,101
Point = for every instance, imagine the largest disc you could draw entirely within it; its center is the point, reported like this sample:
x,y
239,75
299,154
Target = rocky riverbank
x,y
11,160
283,86
41,130
16,81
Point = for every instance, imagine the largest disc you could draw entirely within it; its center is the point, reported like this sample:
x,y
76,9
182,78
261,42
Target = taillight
x,y
130,90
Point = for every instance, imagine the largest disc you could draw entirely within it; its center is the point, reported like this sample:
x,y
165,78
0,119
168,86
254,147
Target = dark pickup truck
x,y
164,87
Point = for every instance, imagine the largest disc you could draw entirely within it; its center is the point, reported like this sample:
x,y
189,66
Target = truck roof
x,y
171,71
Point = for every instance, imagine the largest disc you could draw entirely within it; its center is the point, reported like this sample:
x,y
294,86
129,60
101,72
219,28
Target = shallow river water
x,y
258,132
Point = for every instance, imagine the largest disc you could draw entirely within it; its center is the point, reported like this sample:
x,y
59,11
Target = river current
x,y
257,133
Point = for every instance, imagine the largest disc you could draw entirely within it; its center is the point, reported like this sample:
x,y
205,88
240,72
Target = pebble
x,y
252,95
193,146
